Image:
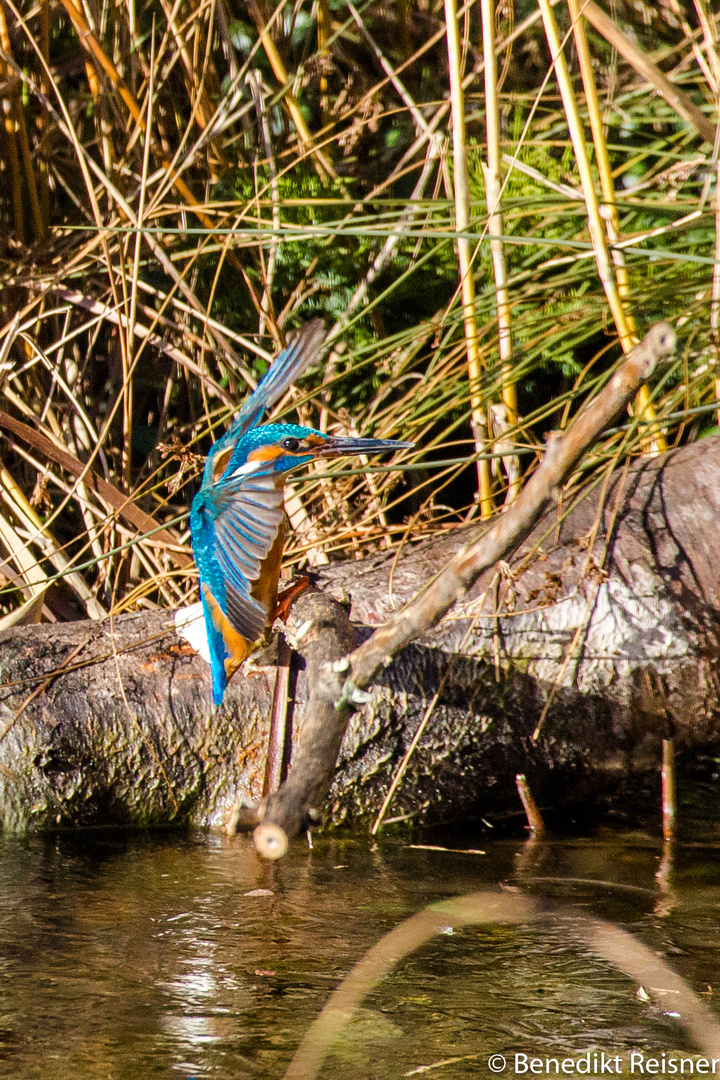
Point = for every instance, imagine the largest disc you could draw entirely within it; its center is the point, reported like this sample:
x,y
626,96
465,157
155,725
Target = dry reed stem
x,y
602,158
280,72
42,119
495,229
467,282
324,24
710,35
595,225
33,577
644,408
9,117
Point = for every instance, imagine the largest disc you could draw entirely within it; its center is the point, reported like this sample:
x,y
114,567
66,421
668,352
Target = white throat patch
x,y
247,469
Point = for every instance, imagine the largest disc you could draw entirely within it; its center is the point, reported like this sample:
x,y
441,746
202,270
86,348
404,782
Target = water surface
x,y
168,956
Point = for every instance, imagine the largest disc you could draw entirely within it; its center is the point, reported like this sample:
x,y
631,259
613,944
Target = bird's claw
x,y
286,597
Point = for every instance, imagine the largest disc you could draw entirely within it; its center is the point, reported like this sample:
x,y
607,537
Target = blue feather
x,y
288,366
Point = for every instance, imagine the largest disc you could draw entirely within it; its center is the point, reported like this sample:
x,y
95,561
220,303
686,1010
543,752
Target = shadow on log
x,y
609,612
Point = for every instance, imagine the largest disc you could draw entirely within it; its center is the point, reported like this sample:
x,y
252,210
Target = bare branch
x,y
336,682
320,630
510,529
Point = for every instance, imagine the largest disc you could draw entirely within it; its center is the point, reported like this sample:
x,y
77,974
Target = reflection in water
x,y
171,956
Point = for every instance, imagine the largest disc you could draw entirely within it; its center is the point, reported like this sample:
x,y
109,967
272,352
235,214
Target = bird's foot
x,y
286,597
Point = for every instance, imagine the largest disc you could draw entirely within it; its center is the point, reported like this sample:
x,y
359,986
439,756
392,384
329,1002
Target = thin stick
x,y
710,36
278,719
532,812
668,789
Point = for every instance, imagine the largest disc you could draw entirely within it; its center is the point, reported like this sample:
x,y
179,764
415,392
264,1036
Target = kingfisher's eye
x,y
291,444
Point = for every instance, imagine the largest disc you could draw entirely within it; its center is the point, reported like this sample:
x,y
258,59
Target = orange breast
x,y
265,589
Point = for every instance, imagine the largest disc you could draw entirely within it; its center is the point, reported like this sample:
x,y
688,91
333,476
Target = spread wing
x,y
234,527
287,366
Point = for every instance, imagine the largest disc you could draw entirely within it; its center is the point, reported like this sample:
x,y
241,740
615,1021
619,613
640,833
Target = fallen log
x,y
113,722
604,624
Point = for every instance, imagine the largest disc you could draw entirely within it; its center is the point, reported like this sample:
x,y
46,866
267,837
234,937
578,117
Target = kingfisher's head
x,y
282,447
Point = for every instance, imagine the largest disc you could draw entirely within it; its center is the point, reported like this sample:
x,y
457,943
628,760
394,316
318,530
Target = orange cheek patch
x,y
264,453
314,442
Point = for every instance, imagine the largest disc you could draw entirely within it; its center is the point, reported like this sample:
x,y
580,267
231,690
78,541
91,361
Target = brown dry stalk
x,y
10,136
325,166
676,98
495,229
108,492
595,224
15,125
609,209
464,250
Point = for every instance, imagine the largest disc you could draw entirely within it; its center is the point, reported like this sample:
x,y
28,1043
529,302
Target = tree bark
x,y
613,608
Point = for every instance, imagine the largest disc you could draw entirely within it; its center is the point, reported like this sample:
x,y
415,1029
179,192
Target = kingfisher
x,y
237,516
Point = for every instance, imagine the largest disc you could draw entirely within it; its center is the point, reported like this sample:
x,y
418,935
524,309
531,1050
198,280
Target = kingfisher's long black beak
x,y
335,445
